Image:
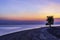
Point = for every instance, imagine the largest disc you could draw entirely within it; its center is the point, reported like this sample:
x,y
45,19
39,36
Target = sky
x,y
29,9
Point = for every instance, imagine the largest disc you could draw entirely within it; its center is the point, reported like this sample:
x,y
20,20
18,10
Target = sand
x,y
44,33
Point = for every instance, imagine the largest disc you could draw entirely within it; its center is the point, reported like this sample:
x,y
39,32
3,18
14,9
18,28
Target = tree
x,y
50,20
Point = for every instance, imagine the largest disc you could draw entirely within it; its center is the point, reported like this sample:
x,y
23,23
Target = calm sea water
x,y
7,29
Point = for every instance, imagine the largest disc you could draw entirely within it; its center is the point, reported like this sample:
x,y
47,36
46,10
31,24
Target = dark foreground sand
x,y
45,33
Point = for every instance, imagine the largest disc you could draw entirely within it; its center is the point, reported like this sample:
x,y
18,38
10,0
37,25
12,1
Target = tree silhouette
x,y
50,20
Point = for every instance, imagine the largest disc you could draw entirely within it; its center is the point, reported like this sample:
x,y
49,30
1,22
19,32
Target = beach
x,y
33,34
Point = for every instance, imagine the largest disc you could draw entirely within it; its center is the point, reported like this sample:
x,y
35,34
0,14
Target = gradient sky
x,y
29,9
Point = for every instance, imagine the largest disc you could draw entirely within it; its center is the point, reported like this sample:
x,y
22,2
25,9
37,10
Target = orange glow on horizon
x,y
22,18
42,17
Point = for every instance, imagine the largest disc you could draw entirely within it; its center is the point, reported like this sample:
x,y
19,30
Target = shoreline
x,y
37,33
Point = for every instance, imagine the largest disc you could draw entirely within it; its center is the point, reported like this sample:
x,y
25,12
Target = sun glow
x,y
27,10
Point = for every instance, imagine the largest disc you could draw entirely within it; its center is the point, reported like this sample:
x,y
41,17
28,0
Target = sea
x,y
7,29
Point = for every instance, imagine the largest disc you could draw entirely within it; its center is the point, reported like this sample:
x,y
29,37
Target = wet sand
x,y
44,33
